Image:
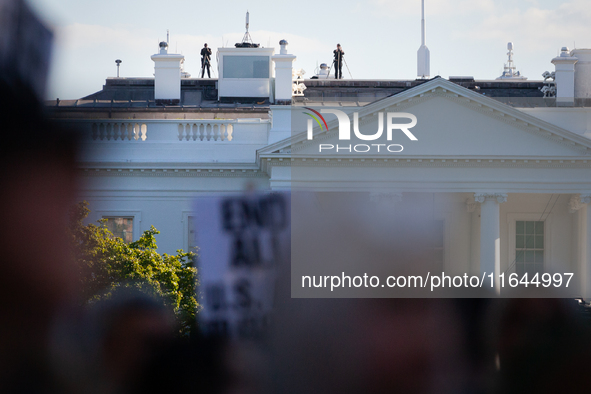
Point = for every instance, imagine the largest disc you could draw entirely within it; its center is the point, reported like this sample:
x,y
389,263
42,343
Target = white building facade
x,y
508,178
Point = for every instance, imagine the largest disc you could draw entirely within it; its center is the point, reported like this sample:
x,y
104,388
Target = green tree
x,y
107,263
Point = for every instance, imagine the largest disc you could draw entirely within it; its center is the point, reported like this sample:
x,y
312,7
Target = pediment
x,y
452,121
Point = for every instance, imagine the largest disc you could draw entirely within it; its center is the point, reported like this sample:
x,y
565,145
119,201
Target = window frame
x,y
512,219
135,215
185,223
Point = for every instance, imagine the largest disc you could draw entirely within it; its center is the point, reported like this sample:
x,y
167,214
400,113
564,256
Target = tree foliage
x,y
106,263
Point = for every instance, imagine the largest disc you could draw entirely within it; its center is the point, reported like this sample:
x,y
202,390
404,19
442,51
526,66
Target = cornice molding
x,y
421,162
180,173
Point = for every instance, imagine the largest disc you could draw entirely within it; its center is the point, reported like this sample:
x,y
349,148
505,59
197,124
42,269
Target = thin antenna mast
x,y
247,40
423,55
423,23
167,37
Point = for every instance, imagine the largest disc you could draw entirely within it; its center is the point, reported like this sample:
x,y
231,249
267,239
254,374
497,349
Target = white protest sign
x,y
242,241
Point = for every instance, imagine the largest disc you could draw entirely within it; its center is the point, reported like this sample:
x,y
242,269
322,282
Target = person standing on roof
x,y
205,60
338,62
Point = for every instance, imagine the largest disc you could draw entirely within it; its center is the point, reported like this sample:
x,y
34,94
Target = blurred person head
x,y
368,345
37,184
542,346
189,365
129,326
104,347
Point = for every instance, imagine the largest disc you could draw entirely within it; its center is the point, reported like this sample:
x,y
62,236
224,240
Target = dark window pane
x,y
539,242
529,228
121,227
246,67
520,242
539,258
529,241
520,227
529,256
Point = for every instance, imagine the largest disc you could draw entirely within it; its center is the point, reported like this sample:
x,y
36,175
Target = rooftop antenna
x,y
247,37
247,40
423,55
509,70
118,61
167,37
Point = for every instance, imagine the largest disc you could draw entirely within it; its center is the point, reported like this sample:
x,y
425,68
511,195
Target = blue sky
x,y
380,37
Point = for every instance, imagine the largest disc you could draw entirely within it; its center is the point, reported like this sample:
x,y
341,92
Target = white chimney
x,y
565,78
582,73
167,76
283,75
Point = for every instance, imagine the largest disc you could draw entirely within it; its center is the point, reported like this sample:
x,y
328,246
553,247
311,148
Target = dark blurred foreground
x,y
128,344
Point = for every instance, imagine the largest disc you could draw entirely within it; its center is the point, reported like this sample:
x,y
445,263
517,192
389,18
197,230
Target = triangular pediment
x,y
452,121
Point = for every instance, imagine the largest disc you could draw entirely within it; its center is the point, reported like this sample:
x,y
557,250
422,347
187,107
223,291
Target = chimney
x,y
582,73
167,76
283,75
565,78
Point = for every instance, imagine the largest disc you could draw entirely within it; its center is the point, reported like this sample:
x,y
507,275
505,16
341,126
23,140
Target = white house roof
x,y
473,124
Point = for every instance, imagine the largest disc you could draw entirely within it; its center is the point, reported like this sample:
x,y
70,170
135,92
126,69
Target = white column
x,y
581,204
474,209
490,233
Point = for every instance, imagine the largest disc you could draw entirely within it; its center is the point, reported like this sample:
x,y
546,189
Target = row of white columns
x,y
490,237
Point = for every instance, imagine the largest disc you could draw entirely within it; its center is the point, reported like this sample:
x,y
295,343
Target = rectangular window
x,y
529,247
246,66
121,227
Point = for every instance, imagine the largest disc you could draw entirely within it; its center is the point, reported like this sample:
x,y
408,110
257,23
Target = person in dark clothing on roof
x,y
205,60
338,62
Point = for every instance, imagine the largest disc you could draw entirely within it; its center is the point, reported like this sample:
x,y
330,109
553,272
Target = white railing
x,y
119,131
210,131
206,130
